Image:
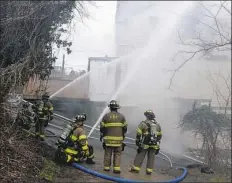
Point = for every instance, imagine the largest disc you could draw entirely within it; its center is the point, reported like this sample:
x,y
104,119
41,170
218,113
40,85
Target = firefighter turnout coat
x,y
113,128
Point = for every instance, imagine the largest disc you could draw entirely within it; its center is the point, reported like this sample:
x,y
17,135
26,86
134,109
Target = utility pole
x,y
63,66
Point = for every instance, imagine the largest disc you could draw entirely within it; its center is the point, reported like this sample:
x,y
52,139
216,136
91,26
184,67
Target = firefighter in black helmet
x,y
74,143
44,109
113,128
147,139
48,107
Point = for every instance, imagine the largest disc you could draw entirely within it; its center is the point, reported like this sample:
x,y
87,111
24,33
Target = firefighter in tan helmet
x,y
147,139
113,129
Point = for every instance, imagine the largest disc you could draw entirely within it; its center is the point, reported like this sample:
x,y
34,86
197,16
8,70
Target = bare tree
x,y
28,31
213,123
221,85
213,34
207,124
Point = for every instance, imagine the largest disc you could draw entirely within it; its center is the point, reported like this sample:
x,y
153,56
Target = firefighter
x,y
113,129
148,139
48,108
44,110
73,144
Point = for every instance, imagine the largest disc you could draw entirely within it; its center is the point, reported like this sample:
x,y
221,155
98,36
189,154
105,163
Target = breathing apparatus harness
x,y
64,141
149,139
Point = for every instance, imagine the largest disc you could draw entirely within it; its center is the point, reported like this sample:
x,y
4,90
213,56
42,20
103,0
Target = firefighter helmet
x,y
80,117
149,114
45,96
113,104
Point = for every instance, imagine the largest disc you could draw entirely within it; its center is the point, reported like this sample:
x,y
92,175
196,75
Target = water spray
x,y
165,35
110,64
128,56
58,91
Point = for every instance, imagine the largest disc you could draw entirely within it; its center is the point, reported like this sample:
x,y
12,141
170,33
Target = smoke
x,y
139,79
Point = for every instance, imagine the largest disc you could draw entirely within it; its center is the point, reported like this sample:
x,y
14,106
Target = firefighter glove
x,y
51,117
139,150
103,145
157,151
82,154
137,142
123,146
101,137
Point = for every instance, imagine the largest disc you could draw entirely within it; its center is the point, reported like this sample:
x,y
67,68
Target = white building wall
x,y
129,34
101,81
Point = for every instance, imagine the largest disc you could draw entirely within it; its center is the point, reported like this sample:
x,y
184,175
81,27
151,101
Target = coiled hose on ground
x,y
123,180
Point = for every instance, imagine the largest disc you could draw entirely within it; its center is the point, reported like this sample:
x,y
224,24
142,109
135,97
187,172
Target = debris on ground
x,y
24,158
207,170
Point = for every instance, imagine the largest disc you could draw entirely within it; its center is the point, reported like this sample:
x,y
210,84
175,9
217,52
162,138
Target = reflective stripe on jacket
x,y
113,127
41,111
78,136
44,109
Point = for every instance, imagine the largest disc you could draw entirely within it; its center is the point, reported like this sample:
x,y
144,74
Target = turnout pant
x,y
39,128
139,158
74,155
116,152
90,154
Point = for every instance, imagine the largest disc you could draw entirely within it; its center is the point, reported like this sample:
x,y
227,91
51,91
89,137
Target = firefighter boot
x,y
116,170
107,169
132,170
90,161
41,137
148,172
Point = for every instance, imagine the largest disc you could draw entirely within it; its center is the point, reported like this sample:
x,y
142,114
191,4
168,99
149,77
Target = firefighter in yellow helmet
x,y
113,128
44,110
73,144
147,139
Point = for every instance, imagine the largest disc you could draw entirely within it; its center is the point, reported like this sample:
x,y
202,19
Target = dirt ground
x,y
194,175
69,174
29,160
57,173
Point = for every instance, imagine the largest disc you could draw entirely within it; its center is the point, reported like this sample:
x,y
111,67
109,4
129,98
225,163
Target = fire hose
x,y
123,180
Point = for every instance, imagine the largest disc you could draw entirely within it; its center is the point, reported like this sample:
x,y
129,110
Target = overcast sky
x,y
93,38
